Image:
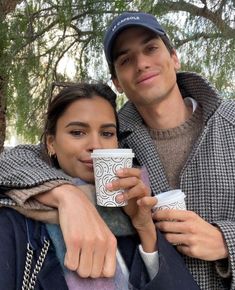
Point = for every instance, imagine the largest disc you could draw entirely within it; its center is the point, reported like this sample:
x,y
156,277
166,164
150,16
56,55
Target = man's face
x,y
145,69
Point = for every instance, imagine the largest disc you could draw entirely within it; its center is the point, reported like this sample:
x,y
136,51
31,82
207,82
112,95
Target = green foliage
x,y
205,42
41,34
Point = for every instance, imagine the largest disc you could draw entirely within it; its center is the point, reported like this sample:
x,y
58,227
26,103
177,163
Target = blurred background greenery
x,y
61,40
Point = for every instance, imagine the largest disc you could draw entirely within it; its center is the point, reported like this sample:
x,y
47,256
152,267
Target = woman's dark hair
x,y
73,92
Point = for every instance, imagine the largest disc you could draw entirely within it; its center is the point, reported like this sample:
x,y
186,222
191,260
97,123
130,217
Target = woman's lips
x,y
88,163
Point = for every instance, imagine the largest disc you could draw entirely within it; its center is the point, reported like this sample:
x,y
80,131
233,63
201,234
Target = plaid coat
x,y
208,177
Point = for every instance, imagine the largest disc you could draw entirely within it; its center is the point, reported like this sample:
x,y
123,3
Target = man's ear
x,y
176,60
117,85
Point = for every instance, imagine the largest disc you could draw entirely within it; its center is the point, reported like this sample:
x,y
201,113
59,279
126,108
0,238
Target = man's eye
x,y
152,48
124,61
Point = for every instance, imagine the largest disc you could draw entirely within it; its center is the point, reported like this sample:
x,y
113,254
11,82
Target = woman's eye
x,y
77,133
108,134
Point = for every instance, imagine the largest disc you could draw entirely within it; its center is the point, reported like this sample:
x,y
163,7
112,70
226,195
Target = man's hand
x,y
91,246
194,236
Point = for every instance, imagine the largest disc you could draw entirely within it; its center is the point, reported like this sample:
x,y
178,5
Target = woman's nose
x,y
95,143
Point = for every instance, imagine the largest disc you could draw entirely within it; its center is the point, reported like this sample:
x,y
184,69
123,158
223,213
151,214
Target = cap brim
x,y
124,27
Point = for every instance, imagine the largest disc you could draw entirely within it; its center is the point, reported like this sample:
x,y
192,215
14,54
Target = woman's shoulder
x,y
19,229
11,222
10,215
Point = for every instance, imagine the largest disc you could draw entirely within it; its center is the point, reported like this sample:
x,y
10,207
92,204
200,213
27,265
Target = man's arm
x,y
226,267
24,174
91,247
23,167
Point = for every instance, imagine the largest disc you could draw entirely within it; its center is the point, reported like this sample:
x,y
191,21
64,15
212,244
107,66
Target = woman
x,y
80,119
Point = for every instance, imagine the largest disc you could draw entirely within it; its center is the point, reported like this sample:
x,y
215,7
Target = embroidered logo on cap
x,y
124,20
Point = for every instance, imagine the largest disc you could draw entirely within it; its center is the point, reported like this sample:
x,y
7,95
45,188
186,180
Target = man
x,y
183,133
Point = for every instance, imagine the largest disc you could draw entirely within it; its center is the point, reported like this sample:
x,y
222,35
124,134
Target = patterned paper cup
x,y
106,162
173,199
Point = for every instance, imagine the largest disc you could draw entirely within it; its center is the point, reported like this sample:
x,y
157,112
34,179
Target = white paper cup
x,y
173,199
106,162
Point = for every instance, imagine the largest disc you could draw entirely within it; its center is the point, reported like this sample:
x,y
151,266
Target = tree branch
x,y
166,6
221,6
196,36
204,2
60,57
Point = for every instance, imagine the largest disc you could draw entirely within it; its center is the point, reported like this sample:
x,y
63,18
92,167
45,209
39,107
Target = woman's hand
x,y
139,205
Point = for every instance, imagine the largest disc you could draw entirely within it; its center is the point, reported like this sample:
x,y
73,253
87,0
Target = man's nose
x,y
142,62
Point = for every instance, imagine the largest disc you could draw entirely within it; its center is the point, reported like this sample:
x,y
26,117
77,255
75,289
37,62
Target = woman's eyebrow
x,y
86,125
77,123
109,125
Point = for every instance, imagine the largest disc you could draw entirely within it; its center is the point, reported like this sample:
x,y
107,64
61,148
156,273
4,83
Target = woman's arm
x,y
139,205
172,273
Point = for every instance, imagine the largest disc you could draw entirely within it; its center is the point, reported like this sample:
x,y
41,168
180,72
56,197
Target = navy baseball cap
x,y
125,20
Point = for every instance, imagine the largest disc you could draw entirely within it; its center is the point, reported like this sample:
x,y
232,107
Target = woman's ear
x,y
117,85
50,144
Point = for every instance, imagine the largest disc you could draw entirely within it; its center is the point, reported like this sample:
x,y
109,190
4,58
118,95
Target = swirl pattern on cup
x,y
174,205
105,172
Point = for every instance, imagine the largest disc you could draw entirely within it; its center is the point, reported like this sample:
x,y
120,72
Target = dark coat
x,y
16,231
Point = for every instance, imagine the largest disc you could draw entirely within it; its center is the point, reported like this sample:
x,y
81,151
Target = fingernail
x,y
138,202
120,172
120,198
109,186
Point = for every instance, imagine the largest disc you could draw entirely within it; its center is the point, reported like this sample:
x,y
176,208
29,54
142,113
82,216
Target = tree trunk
x,y
6,6
2,113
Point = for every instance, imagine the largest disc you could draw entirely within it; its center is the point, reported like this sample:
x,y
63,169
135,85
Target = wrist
x,y
222,246
58,196
148,238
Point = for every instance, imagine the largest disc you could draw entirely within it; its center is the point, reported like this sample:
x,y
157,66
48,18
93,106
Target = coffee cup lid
x,y
112,153
169,196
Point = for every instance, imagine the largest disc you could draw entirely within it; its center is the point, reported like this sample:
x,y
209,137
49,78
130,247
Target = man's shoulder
x,y
226,111
127,108
129,117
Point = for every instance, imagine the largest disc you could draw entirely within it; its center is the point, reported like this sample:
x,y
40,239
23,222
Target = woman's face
x,y
86,124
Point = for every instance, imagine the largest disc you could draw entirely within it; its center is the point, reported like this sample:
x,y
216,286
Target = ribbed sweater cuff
x,y
223,268
25,197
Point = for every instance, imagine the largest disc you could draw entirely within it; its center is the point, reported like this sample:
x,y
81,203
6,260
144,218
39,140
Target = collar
x,y
191,85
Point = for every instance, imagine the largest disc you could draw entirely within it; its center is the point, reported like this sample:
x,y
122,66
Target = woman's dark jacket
x,y
16,231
